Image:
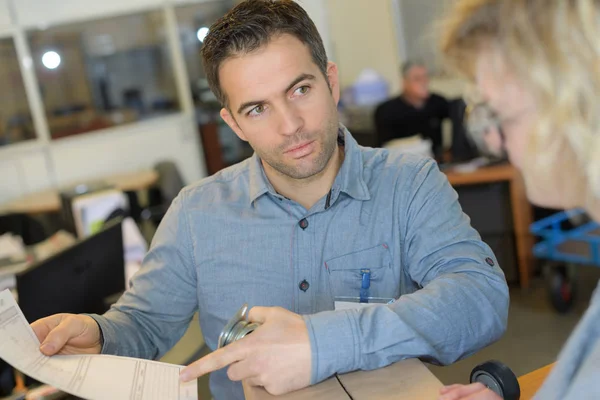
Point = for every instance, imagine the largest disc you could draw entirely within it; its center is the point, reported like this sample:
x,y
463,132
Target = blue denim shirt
x,y
231,239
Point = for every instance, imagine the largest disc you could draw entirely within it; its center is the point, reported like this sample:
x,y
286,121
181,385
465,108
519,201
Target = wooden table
x,y
520,206
404,380
531,382
48,201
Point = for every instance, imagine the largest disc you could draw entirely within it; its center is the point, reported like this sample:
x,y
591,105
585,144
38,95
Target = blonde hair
x,y
553,47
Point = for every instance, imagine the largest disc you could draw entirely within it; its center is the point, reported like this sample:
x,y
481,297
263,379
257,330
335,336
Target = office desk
x,y
48,201
404,380
531,382
520,206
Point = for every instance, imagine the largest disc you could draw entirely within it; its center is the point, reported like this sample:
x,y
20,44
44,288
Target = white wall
x,y
318,10
419,19
93,155
39,13
363,35
32,166
23,170
134,147
4,15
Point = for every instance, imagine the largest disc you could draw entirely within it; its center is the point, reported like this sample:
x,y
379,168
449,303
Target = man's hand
x,y
276,355
475,391
68,334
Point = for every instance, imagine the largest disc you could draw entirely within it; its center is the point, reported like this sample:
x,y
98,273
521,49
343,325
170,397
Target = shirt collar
x,y
259,184
350,177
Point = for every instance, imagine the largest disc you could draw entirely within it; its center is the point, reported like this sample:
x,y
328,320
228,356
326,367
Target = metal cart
x,y
568,238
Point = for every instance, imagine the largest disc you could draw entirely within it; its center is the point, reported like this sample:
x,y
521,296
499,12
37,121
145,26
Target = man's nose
x,y
290,121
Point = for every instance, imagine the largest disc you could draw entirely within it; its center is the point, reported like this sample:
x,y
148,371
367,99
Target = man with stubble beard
x,y
310,221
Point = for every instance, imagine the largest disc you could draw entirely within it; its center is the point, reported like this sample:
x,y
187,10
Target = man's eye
x,y
257,110
302,90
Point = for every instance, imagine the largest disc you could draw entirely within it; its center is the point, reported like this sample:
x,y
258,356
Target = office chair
x,y
170,183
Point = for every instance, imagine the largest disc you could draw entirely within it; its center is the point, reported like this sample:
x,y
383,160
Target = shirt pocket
x,y
345,273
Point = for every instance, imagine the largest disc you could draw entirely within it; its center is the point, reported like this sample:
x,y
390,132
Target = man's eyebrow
x,y
299,79
247,104
254,103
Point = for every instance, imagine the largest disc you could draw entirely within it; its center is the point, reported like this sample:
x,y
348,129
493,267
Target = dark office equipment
x,y
69,110
76,280
489,207
31,230
365,138
462,148
104,89
133,98
164,104
7,379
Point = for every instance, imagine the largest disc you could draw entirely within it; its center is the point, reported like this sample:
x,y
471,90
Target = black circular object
x,y
303,223
304,285
498,378
561,289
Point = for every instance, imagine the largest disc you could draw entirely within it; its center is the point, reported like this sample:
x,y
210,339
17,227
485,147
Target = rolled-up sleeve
x,y
461,305
154,313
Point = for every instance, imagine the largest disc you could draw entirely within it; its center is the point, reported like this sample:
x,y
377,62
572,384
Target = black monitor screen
x,y
76,280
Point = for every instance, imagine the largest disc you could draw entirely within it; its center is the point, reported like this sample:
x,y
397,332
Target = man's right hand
x,y
68,334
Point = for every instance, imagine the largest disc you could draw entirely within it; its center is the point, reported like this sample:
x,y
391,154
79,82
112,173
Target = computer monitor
x,y
462,148
76,280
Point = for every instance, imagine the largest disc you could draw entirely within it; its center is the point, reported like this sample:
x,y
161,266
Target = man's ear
x,y
334,80
229,120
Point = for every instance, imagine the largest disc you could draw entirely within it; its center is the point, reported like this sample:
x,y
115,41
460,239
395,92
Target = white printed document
x,y
89,376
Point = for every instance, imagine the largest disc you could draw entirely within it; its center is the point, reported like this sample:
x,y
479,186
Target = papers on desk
x,y
19,260
89,376
13,259
11,247
53,245
413,144
134,244
471,166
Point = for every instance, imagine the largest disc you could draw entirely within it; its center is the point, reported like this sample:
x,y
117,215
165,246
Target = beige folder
x,y
404,380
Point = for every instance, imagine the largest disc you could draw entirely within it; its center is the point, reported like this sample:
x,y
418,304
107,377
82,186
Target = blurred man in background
x,y
416,111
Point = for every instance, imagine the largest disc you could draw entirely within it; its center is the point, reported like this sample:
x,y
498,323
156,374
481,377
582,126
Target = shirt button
x,y
303,223
304,285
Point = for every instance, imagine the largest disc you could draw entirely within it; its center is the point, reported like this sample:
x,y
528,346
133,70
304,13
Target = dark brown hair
x,y
251,25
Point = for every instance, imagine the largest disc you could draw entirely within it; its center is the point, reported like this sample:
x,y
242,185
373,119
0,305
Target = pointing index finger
x,y
214,361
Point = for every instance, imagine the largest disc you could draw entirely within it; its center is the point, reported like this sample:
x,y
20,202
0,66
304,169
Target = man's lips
x,y
299,148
